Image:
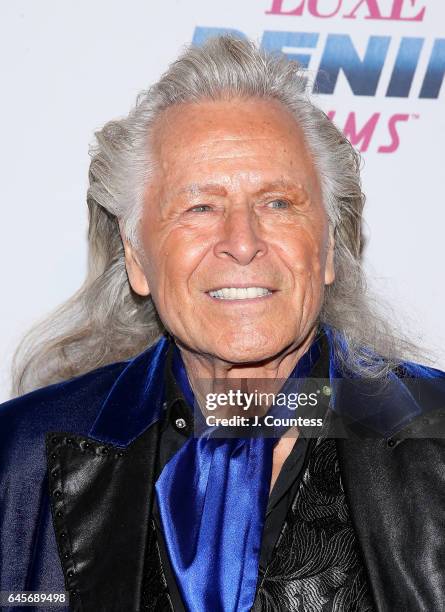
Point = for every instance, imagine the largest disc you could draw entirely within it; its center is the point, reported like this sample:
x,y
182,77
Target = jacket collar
x,y
375,407
367,407
136,399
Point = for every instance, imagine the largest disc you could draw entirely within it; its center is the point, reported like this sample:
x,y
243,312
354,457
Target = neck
x,y
204,370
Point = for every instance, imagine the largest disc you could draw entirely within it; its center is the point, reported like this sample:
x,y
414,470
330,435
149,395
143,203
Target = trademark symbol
x,y
415,116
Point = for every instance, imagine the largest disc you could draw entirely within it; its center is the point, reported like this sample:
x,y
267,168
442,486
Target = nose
x,y
240,238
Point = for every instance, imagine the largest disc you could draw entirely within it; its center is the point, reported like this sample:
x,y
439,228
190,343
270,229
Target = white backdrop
x,y
69,66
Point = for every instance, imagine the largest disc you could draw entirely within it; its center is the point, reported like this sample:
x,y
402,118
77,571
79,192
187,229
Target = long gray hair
x,y
105,321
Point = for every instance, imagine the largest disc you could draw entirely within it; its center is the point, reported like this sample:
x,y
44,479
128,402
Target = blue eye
x,y
278,204
200,208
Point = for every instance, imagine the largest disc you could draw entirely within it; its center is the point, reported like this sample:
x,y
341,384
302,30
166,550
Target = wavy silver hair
x,y
105,321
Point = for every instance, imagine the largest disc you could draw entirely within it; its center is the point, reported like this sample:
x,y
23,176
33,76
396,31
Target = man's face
x,y
235,236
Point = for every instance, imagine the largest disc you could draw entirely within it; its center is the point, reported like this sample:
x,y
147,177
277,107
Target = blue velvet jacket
x,y
77,469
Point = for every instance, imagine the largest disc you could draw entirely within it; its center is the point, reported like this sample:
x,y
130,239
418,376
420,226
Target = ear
x,y
135,271
329,270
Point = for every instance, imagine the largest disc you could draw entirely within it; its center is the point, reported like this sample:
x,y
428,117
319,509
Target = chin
x,y
239,349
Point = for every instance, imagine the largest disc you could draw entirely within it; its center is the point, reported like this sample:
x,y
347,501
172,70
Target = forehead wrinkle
x,y
223,139
239,137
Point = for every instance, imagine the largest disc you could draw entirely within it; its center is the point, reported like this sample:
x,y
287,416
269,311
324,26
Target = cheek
x,y
304,255
173,263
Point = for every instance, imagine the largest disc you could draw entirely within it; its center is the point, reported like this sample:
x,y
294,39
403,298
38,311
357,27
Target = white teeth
x,y
239,293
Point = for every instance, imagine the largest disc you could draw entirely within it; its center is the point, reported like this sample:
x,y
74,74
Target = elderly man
x,y
225,216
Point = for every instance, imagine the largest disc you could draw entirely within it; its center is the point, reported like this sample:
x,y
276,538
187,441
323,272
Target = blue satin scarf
x,y
212,497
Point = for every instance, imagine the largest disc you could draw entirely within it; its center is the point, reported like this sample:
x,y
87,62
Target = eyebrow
x,y
219,190
207,188
279,185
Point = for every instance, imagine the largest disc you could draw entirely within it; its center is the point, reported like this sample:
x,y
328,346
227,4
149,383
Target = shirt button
x,y
180,423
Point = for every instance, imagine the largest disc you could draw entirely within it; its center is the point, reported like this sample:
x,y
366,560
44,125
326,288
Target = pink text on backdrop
x,y
394,10
362,135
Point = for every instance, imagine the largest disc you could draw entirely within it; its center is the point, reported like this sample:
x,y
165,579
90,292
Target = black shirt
x,y
176,429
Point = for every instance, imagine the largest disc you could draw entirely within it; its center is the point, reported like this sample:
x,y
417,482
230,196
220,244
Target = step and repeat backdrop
x,y
376,67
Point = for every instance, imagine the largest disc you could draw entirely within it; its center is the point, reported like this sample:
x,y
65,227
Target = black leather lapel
x,y
395,494
101,500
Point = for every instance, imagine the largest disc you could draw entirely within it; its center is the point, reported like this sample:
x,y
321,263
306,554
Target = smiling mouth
x,y
239,293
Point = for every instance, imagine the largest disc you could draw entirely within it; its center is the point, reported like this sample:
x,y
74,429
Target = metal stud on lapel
x,y
180,423
326,390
